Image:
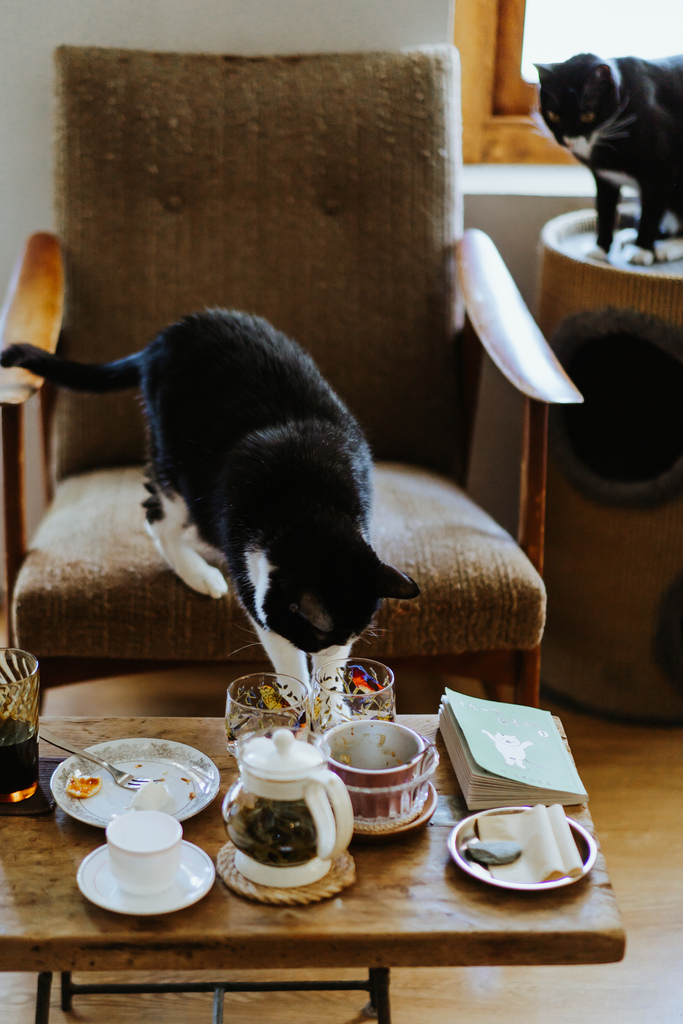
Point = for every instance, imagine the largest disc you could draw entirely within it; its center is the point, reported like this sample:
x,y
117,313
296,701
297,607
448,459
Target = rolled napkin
x,y
548,847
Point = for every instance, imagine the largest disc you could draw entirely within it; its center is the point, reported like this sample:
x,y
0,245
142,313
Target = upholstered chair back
x,y
317,191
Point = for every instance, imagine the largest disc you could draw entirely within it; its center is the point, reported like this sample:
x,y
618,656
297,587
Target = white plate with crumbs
x,y
191,778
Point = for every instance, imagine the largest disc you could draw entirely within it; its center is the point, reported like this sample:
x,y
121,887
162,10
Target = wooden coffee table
x,y
410,906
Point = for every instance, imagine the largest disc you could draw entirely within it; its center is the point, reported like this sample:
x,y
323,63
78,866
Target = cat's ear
x,y
601,73
545,71
393,583
598,82
311,609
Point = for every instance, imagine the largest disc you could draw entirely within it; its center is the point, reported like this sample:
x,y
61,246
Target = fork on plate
x,y
125,779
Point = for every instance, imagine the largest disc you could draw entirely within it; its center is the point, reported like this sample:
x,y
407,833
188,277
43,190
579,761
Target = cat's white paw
x,y
669,249
209,581
597,253
636,256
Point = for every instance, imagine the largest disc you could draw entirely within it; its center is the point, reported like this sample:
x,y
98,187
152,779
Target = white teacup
x,y
144,851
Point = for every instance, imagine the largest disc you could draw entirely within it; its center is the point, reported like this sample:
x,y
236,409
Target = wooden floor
x,y
634,776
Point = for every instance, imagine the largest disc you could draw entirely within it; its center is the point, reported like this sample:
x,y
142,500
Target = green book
x,y
507,754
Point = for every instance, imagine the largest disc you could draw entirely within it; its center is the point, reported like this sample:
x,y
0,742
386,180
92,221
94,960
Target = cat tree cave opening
x,y
624,444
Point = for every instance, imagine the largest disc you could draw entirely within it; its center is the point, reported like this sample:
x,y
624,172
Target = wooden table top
x,y
409,906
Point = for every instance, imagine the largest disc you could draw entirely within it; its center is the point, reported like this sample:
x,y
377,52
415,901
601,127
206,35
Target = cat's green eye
x,y
588,116
552,116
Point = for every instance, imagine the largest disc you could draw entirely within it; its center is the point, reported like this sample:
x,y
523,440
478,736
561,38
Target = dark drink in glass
x,y
19,703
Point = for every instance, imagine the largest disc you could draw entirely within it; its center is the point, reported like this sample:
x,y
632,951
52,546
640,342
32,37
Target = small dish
x,y
195,878
465,831
191,778
423,817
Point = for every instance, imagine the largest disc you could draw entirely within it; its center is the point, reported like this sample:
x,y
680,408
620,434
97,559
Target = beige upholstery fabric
x,y
94,585
318,191
480,591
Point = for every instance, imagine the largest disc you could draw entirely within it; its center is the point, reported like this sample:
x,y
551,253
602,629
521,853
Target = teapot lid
x,y
280,757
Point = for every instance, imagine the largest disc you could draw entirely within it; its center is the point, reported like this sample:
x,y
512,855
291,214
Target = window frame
x,y
497,126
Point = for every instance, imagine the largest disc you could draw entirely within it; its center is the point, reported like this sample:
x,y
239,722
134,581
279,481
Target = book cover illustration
x,y
515,742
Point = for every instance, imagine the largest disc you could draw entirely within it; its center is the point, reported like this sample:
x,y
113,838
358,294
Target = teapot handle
x,y
334,830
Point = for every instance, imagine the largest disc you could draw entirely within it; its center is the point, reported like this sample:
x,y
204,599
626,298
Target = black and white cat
x,y
253,453
623,118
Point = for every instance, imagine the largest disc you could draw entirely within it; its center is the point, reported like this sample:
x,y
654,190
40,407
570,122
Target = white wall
x,y
31,29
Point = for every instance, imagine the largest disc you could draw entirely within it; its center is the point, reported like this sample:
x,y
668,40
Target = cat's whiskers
x,y
608,139
244,629
615,132
613,127
539,126
371,632
605,145
239,650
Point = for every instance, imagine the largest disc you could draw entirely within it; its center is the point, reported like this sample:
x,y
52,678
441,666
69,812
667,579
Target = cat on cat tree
x,y
623,119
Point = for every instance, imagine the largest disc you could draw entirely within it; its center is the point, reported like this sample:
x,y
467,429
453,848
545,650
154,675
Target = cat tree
x,y
614,544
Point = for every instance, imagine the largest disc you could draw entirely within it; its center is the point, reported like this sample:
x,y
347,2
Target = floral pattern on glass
x,y
264,700
357,688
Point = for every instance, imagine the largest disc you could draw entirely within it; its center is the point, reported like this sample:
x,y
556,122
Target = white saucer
x,y
195,878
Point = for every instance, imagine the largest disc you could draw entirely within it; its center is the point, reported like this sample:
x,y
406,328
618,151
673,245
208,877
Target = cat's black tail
x,y
115,376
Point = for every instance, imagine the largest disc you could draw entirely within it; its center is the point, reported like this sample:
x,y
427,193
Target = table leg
x,y
379,994
43,997
218,1002
67,992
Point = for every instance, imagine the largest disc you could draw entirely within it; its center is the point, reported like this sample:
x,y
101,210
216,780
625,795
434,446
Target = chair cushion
x,y
93,584
479,590
319,191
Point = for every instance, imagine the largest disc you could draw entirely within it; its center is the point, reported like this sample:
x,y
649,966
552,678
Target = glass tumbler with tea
x,y
346,690
19,711
264,700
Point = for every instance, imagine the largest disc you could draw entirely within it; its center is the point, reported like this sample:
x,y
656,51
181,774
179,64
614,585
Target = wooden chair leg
x,y
14,502
528,685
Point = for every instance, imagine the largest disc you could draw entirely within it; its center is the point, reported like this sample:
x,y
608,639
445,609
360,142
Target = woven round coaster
x,y
374,831
341,874
369,827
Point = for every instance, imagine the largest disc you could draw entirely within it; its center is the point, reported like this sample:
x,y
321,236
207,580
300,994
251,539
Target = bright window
x,y
611,28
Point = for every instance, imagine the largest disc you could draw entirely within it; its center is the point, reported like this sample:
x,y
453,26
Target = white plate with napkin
x,y
556,850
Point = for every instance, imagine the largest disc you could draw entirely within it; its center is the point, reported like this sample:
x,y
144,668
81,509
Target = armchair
x,y
322,192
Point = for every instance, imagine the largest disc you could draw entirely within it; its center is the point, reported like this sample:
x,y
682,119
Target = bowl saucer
x,y
414,825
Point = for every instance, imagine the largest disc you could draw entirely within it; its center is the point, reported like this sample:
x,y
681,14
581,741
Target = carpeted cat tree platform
x,y
614,544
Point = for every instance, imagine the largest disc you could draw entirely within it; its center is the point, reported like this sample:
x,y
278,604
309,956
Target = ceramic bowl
x,y
386,767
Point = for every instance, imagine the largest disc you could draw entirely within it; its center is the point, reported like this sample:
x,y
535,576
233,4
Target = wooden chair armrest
x,y
497,318
32,311
504,325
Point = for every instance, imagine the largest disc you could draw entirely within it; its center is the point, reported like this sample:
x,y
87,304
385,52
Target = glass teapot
x,y
287,814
